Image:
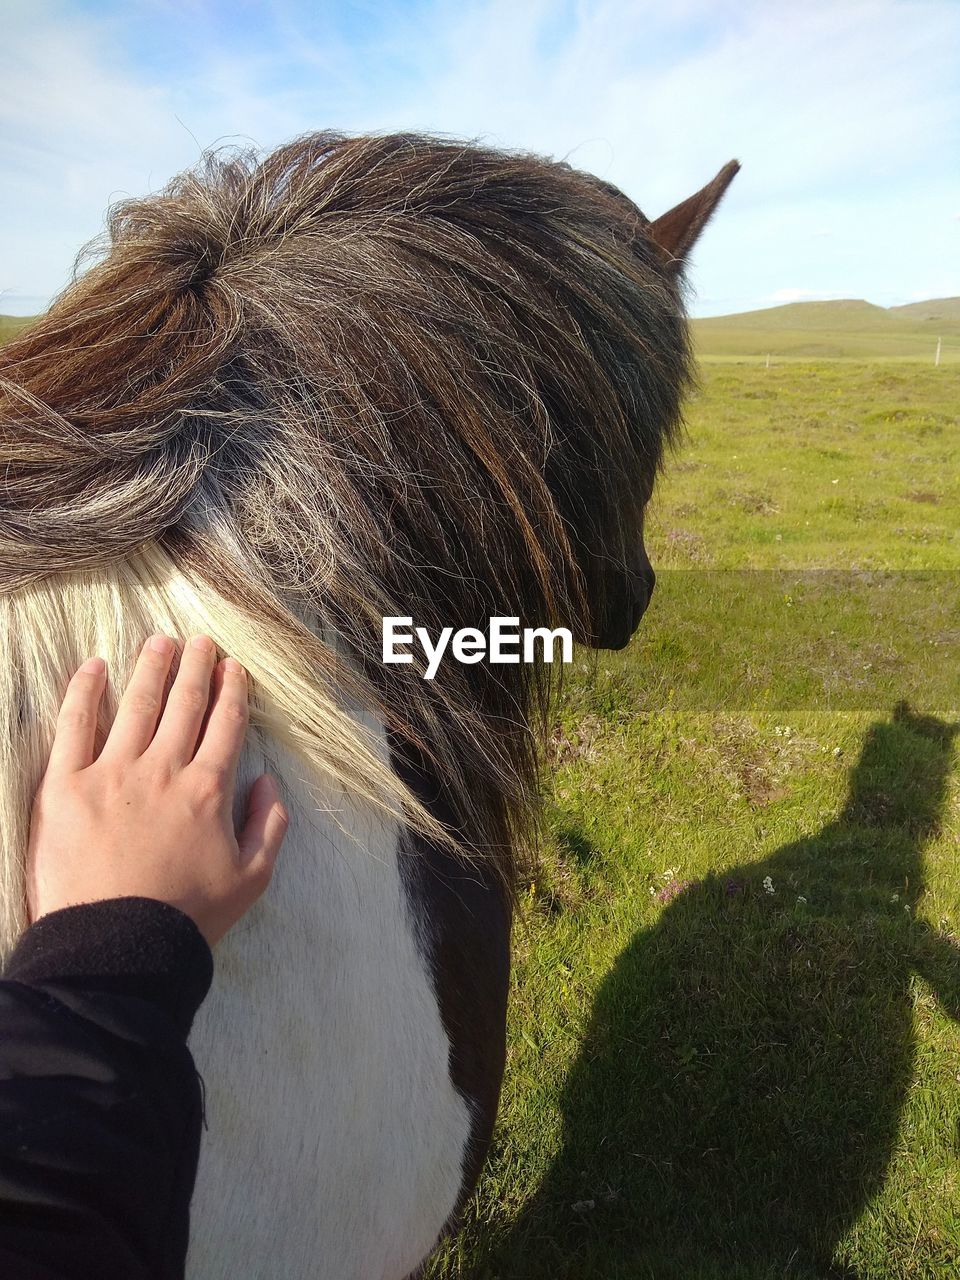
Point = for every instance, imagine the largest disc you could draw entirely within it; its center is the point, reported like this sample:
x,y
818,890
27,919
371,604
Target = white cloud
x,y
841,115
80,130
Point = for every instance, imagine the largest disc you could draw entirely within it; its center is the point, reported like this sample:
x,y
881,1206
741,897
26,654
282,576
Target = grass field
x,y
733,1046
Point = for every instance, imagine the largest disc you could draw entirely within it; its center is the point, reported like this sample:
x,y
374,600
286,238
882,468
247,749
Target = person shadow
x,y
736,1100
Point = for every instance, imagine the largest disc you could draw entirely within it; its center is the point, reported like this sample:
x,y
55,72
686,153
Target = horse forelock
x,y
357,377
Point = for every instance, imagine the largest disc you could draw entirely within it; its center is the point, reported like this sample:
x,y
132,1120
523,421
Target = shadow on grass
x,y
736,1100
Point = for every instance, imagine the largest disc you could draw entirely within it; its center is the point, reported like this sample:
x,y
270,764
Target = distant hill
x,y
938,310
9,325
848,328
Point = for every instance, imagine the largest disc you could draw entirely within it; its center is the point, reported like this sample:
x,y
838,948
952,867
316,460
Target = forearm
x,y
100,1104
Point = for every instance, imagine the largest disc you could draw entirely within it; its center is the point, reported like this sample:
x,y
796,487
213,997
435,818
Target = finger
x,y
225,728
187,702
266,825
216,682
136,717
75,734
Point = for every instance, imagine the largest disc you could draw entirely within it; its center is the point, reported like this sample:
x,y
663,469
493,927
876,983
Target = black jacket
x,y
100,1103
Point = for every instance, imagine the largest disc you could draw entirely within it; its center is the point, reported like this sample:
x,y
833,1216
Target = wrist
x,y
128,945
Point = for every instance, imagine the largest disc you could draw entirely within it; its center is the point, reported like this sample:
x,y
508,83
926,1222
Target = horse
x,y
295,393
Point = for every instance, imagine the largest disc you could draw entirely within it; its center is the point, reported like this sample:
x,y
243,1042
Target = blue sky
x,y
845,115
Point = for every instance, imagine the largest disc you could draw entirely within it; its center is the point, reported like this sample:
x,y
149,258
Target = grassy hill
x,y
935,310
10,325
848,329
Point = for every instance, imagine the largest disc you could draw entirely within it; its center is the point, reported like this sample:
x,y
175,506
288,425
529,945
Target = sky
x,y
845,115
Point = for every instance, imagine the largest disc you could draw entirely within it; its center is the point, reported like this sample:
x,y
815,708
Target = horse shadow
x,y
736,1100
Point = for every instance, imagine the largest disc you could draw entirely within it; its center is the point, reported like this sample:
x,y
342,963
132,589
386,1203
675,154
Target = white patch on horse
x,y
336,1138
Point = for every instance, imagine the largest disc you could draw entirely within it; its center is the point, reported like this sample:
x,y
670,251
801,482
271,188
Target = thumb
x,y
265,826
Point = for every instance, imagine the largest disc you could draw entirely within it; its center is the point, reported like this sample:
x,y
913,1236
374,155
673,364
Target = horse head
x,y
357,377
621,581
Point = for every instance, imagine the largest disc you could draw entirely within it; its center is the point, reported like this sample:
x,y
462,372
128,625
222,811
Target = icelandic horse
x,y
294,394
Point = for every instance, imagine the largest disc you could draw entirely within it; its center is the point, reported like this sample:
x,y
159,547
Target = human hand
x,y
152,815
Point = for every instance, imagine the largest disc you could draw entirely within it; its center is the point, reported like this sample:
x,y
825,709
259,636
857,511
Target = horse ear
x,y
675,233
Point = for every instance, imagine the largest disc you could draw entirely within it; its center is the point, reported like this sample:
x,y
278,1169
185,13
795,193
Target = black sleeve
x,y
100,1103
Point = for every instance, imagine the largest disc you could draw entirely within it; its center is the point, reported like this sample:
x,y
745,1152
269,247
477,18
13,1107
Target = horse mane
x,y
355,377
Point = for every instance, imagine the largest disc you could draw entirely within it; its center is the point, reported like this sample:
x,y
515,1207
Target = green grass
x,y
831,465
706,1080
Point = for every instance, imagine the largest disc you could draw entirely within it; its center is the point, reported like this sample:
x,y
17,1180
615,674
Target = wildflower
x,y
768,885
801,899
675,887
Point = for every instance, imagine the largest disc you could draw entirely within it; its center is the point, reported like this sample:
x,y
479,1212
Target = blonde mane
x,y
46,629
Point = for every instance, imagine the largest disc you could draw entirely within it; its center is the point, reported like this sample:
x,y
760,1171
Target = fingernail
x,y
161,644
231,664
96,666
203,643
